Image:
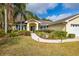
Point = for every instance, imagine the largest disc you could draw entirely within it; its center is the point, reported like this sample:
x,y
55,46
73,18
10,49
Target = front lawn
x,y
27,46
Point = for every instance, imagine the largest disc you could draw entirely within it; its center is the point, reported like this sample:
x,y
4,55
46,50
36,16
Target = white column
x,y
28,27
37,26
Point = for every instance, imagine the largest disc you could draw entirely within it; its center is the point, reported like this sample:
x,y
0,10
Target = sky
x,y
53,11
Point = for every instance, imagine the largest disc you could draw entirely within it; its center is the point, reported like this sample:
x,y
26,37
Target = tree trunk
x,y
5,10
21,21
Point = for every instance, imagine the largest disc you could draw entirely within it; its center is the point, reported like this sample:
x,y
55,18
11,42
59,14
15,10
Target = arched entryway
x,y
31,26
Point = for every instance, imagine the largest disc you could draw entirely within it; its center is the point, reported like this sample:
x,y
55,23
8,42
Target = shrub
x,y
2,33
57,35
27,33
24,32
41,34
37,31
71,35
52,34
61,34
46,31
13,34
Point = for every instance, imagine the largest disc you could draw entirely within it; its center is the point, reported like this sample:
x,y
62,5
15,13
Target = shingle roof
x,y
63,20
44,22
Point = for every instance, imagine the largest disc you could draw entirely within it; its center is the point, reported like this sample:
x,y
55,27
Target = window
x,y
23,27
74,25
17,27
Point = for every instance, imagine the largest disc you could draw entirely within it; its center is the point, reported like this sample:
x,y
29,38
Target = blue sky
x,y
53,11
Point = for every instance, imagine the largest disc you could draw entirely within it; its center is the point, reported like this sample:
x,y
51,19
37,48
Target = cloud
x,y
40,8
58,17
71,5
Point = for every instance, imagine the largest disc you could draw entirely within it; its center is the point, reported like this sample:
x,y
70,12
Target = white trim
x,y
28,26
71,18
34,21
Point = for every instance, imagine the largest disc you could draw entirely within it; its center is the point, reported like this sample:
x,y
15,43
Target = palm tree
x,y
1,16
19,9
30,15
6,16
6,12
10,11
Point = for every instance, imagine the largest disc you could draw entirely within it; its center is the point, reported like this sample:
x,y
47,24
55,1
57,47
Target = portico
x,y
32,25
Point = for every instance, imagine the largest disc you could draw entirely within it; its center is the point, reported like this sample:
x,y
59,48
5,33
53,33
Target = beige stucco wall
x,y
58,27
64,27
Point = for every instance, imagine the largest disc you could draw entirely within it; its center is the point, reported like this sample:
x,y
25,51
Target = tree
x,y
36,17
19,9
46,19
3,12
7,16
10,12
2,16
30,15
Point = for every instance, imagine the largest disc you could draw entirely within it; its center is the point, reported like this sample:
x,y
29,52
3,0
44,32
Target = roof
x,y
32,20
65,20
42,22
45,22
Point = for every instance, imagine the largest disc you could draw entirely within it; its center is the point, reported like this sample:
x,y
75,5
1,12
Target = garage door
x,y
74,29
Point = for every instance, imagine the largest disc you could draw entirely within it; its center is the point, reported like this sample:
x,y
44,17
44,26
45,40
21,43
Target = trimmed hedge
x,y
71,35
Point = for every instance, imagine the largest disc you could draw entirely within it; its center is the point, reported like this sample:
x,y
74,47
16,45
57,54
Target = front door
x,y
32,28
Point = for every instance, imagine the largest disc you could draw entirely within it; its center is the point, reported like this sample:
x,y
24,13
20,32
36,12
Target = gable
x,y
74,18
32,20
74,21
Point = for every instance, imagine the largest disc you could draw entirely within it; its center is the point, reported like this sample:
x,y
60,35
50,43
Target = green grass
x,y
27,46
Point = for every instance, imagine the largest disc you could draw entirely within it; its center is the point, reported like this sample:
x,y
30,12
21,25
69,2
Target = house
x,y
69,24
32,24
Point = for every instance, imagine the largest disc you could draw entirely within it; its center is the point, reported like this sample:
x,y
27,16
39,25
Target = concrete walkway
x,y
37,38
